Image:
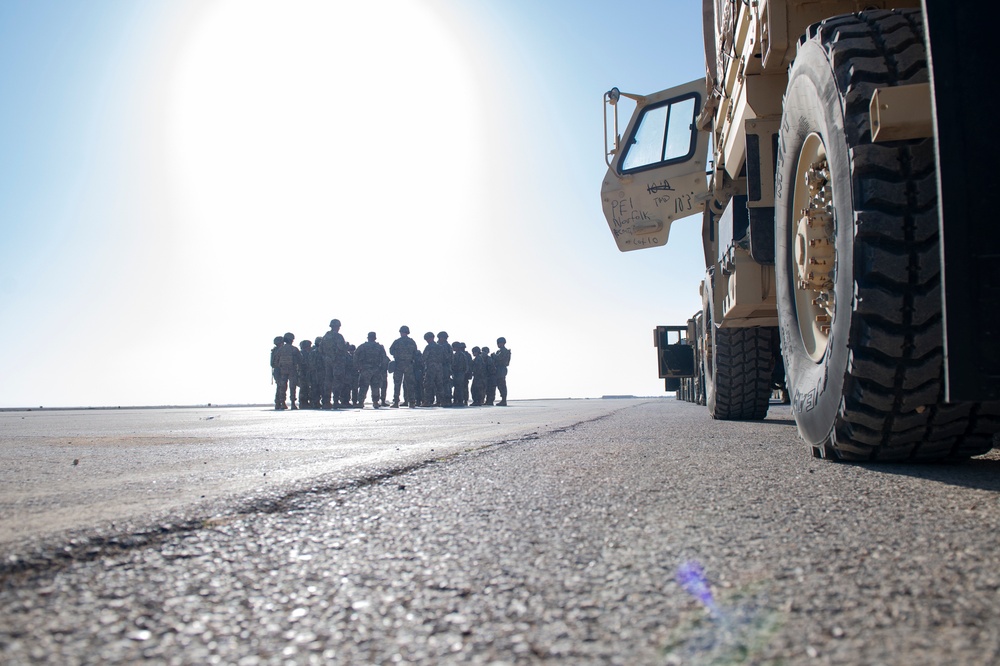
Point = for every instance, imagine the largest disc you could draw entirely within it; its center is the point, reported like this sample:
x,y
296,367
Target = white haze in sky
x,y
183,180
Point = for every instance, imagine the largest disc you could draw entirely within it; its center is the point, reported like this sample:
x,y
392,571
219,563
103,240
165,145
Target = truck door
x,y
657,174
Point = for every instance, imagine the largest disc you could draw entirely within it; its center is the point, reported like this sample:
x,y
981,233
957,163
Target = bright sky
x,y
183,180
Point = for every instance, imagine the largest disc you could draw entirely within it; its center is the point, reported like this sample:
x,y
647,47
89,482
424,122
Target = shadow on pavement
x,y
980,473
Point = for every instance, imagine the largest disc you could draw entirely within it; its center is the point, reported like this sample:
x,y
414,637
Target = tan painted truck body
x,y
817,113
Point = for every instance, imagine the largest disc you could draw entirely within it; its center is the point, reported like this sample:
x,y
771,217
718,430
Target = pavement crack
x,y
52,556
60,551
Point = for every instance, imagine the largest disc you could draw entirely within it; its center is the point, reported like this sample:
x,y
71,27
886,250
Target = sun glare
x,y
319,117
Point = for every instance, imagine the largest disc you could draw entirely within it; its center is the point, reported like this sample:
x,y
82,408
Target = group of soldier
x,y
330,373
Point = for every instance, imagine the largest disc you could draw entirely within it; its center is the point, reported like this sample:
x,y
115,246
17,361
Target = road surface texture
x,y
72,468
600,532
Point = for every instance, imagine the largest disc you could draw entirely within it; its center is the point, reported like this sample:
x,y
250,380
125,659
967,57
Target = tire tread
x,y
892,405
743,360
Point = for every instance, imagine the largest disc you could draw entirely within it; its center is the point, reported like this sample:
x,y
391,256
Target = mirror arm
x,y
611,98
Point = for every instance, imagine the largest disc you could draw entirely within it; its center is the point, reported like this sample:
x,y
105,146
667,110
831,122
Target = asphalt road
x,y
70,469
599,532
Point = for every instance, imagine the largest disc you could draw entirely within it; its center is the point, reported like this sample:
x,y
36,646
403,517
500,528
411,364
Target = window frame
x,y
692,146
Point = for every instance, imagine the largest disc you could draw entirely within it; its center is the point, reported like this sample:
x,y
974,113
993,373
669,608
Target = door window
x,y
665,133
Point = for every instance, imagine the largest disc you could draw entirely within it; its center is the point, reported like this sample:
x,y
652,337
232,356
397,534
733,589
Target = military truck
x,y
848,240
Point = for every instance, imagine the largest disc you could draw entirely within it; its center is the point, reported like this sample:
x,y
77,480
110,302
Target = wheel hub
x,y
814,251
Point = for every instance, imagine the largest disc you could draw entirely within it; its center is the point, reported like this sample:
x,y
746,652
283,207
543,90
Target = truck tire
x,y
737,372
857,256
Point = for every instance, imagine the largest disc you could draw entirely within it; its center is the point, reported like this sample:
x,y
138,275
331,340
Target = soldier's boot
x,y
277,406
395,403
293,406
502,403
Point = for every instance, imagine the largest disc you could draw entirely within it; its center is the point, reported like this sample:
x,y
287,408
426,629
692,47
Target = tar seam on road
x,y
51,556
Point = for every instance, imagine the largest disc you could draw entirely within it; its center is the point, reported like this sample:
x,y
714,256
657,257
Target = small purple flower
x,y
691,577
